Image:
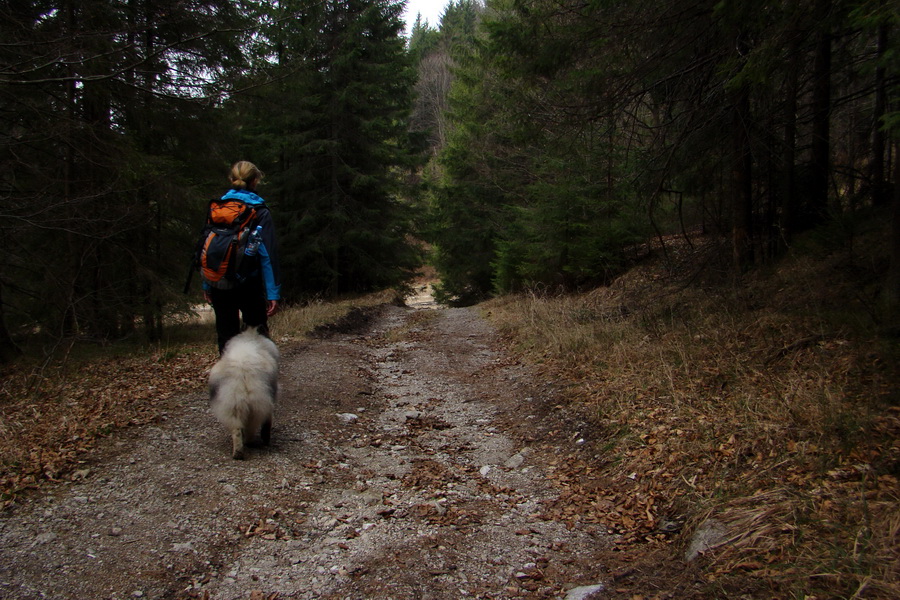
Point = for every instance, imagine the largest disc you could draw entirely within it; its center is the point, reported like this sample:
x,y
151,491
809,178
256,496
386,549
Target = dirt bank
x,y
405,464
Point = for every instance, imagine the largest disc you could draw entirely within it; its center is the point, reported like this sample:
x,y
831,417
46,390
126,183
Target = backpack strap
x,y
198,249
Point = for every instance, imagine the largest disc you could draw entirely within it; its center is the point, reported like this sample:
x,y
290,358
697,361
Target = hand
x,y
207,297
271,307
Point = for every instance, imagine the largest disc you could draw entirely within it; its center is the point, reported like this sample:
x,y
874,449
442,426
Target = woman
x,y
256,298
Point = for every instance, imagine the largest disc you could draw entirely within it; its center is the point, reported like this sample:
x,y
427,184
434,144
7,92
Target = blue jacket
x,y
268,251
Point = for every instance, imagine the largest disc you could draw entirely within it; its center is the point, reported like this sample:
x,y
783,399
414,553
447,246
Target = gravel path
x,y
399,470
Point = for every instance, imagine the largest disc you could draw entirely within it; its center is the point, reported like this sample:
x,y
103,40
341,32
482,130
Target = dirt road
x,y
406,463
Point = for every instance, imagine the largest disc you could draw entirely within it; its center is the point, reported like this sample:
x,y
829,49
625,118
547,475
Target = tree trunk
x,y
880,192
892,284
820,159
8,348
741,183
788,184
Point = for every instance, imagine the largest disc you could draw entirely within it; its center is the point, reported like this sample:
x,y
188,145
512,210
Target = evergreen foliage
x,y
558,134
332,133
583,127
106,114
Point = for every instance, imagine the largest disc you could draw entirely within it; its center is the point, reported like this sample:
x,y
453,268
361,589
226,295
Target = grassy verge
x,y
53,413
769,410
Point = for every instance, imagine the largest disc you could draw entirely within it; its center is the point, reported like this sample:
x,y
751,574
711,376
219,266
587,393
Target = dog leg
x,y
237,443
266,432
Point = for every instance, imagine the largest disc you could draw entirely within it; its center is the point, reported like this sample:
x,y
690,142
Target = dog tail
x,y
231,403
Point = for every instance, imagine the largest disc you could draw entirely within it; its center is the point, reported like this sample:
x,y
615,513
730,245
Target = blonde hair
x,y
244,175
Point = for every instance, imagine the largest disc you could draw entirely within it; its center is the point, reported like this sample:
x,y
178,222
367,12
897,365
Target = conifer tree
x,y
101,106
579,126
331,133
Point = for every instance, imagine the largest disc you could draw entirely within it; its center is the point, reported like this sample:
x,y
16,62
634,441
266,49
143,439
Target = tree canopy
x,y
576,128
120,120
523,143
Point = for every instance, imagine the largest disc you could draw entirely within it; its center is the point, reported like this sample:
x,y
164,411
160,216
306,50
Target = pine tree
x,y
333,127
101,104
535,178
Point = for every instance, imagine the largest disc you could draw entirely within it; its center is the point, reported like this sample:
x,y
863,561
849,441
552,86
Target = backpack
x,y
220,250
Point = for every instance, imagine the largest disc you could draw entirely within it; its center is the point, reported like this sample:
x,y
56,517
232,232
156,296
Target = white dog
x,y
242,388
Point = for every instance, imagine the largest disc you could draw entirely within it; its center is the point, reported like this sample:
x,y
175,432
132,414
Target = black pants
x,y
247,301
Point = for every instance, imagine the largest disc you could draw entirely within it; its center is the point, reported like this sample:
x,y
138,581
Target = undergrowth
x,y
769,406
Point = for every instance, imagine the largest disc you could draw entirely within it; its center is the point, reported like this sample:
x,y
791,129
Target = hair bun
x,y
245,175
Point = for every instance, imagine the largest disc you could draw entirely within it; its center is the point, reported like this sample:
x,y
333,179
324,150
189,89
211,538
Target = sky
x,y
431,11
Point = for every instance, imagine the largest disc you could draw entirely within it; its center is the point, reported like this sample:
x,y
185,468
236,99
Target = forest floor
x,y
412,458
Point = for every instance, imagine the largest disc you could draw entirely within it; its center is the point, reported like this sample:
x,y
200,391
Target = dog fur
x,y
243,386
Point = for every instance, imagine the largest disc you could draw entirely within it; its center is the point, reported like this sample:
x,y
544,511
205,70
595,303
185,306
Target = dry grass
x,y
296,322
767,406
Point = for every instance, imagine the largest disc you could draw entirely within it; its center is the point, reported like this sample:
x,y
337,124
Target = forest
x,y
515,145
682,217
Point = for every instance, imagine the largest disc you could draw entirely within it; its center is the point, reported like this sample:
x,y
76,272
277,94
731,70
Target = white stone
x,y
583,592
